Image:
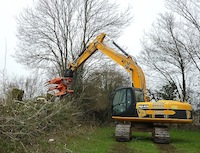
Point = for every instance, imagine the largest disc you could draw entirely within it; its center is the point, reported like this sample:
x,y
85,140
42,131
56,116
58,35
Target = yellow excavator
x,y
131,108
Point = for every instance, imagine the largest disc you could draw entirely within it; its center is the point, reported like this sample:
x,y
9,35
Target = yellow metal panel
x,y
160,112
153,120
165,104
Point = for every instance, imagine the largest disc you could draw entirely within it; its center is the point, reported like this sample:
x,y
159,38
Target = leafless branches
x,y
164,52
22,121
53,32
171,48
31,85
188,13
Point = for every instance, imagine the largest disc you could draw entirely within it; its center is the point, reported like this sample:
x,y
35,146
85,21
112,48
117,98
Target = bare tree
x,y
53,32
189,13
164,52
31,85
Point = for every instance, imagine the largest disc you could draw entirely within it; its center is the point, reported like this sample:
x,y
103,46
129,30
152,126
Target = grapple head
x,y
62,85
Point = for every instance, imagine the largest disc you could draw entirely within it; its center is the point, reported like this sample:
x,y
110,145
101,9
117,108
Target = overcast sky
x,y
144,11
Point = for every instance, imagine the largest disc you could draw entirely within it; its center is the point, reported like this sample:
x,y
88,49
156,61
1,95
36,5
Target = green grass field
x,y
102,140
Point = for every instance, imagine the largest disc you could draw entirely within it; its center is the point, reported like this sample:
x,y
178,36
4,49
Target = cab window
x,y
122,100
139,96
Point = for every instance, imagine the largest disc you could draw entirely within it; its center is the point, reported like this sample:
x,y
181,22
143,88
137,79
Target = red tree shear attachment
x,y
62,84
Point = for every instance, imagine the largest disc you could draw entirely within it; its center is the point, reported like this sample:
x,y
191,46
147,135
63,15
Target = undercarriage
x,y
160,132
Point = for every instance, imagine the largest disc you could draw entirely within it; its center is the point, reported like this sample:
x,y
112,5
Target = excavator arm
x,y
123,59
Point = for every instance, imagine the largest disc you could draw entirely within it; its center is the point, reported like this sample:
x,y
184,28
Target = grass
x,y
86,139
186,141
142,143
99,140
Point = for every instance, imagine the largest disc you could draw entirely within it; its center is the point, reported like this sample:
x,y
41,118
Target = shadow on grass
x,y
120,147
141,138
167,148
134,138
179,141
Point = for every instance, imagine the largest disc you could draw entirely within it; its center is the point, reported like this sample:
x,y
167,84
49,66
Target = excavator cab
x,y
124,101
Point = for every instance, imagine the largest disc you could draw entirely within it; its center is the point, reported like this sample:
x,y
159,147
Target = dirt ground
x,y
166,148
120,148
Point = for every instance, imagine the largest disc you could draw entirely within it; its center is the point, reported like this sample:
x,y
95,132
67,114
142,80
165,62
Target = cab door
x,y
124,102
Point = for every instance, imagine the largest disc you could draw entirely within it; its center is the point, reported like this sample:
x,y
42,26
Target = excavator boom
x,y
125,60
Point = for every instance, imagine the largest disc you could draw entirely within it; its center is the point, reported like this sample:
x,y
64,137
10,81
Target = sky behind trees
x,y
144,11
